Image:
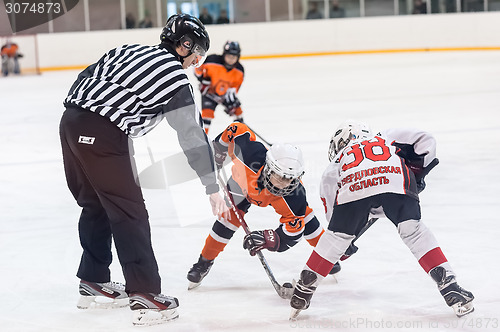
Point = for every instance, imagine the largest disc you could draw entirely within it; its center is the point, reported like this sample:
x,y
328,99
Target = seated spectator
x,y
205,16
313,12
146,22
420,7
336,11
130,21
223,19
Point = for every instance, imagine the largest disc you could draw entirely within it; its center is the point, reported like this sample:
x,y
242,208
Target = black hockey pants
x,y
99,167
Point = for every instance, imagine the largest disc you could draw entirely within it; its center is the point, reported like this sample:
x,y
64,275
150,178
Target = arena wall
x,y
436,32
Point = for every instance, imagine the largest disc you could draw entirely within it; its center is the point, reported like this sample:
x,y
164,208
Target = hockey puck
x,y
287,285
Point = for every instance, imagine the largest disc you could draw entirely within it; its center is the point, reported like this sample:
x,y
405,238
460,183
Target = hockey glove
x,y
204,85
231,101
420,172
258,240
420,185
220,153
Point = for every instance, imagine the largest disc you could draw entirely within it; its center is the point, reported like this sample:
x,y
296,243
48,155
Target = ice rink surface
x,y
454,95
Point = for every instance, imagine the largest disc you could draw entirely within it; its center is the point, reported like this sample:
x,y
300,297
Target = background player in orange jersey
x,y
220,79
260,177
10,55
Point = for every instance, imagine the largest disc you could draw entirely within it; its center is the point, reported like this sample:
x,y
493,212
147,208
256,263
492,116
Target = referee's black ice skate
x,y
96,295
302,293
454,295
199,270
151,309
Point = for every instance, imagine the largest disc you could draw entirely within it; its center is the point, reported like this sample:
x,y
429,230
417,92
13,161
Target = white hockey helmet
x,y
347,131
284,165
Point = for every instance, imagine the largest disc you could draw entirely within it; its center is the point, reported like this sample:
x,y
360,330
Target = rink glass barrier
x,y
97,15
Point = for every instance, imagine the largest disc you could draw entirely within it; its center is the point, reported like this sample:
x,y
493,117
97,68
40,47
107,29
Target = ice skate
x,y
459,299
108,295
152,309
302,293
199,270
335,269
333,273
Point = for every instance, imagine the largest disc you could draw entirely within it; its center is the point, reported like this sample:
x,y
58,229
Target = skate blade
x,y
101,302
148,317
294,313
193,285
463,309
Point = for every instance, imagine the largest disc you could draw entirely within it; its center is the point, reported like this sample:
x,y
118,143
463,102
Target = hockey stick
x,y
256,134
368,224
285,291
216,98
150,152
219,100
352,249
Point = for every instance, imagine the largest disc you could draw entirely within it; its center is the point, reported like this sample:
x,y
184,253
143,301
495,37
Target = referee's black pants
x,y
100,172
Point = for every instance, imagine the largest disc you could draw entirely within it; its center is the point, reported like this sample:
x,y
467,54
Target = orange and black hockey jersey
x,y
10,50
249,157
213,69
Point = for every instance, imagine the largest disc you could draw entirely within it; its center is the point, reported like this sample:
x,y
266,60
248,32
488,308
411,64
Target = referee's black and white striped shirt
x,y
130,85
135,87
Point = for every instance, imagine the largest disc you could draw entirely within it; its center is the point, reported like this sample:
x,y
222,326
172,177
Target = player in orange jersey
x,y
220,79
260,177
10,54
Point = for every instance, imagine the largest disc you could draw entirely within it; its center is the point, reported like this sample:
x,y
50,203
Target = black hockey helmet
x,y
232,47
188,31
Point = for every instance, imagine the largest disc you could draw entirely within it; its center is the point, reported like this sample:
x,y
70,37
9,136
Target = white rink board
x,y
294,37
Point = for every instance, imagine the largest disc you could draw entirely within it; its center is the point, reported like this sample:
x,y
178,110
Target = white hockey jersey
x,y
371,166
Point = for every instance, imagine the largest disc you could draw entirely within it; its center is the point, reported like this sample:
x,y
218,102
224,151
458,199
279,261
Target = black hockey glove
x,y
415,163
231,101
420,172
418,169
420,185
220,153
258,240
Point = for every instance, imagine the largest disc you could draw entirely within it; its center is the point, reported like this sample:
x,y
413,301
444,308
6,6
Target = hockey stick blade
x,y
286,291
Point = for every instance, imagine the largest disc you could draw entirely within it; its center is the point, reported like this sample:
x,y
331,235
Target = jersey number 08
x,y
366,149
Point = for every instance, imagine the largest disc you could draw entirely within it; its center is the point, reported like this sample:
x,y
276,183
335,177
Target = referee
x,y
122,96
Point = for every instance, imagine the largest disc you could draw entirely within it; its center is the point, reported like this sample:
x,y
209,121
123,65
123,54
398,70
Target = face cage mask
x,y
334,148
197,50
267,173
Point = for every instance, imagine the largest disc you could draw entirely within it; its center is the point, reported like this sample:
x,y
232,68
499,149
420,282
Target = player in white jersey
x,y
377,176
